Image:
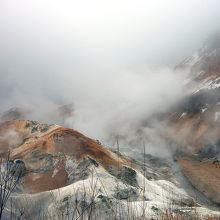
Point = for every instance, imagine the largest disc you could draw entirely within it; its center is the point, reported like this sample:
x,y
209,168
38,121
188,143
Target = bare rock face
x,y
195,121
204,175
60,155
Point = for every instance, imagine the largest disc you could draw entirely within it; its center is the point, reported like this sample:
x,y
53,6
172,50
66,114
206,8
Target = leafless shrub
x,y
10,175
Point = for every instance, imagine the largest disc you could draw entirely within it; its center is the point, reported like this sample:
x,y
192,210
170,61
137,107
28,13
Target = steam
x,y
11,137
112,59
122,104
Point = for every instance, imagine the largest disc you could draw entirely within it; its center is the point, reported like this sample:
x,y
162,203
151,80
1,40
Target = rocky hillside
x,y
66,173
47,149
195,121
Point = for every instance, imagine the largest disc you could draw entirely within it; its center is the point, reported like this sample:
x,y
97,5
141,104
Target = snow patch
x,y
184,113
208,85
193,59
217,116
55,172
204,109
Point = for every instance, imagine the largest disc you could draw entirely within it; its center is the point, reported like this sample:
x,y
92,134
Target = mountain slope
x,y
62,166
195,121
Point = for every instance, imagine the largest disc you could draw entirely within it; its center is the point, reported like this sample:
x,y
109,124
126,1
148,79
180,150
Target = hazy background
x,y
112,59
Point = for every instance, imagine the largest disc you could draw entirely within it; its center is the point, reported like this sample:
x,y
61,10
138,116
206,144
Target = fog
x,y
112,59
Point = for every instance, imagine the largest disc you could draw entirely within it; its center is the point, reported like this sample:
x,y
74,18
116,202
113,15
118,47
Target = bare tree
x,y
10,173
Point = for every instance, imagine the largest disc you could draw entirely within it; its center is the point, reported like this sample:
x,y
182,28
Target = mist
x,y
114,60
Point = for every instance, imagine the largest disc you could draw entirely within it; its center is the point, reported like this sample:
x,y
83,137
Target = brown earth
x,y
38,146
204,175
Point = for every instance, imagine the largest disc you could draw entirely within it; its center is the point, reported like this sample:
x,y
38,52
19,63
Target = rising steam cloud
x,y
113,59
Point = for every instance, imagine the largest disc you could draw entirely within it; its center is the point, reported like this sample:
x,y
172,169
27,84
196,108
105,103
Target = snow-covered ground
x,y
109,194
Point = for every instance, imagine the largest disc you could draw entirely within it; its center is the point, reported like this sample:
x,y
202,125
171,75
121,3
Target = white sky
x,y
152,32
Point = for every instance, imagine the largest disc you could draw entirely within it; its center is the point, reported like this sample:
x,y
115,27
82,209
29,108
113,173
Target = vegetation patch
x,y
128,176
126,193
